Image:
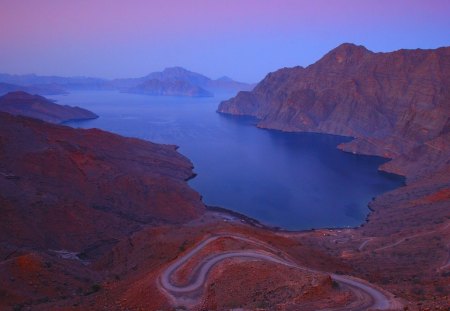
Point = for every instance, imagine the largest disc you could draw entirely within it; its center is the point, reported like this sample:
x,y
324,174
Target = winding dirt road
x,y
406,238
368,296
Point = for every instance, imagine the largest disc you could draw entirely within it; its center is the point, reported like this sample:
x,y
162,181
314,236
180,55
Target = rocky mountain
x,y
179,73
35,106
395,105
157,87
392,103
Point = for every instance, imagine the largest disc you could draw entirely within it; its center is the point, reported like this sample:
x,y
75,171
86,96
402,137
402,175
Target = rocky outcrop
x,y
392,103
82,190
35,106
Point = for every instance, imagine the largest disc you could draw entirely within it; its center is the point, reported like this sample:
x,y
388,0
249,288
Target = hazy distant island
x,y
157,87
177,81
38,107
173,81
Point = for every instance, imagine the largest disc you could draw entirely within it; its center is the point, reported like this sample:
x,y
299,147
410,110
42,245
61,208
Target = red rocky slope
x,y
81,190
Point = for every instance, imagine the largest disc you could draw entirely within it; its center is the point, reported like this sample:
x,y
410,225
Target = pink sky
x,y
244,39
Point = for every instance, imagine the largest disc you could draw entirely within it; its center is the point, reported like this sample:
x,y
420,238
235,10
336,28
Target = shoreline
x,y
387,174
257,224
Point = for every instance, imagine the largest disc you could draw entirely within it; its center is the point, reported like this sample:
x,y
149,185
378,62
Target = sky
x,y
242,39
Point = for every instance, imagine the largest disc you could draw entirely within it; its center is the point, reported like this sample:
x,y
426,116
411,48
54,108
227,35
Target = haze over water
x,y
291,180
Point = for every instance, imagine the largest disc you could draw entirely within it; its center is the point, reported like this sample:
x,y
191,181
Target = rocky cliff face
x,y
38,107
82,190
392,103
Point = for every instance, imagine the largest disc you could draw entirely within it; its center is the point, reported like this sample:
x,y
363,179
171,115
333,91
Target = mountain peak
x,y
347,46
179,73
346,52
175,69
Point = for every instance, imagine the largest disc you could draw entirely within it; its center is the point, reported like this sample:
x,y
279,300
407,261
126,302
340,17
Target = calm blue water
x,y
290,180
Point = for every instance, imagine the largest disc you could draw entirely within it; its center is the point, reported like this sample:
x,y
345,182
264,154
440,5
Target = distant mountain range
x,y
44,82
174,81
42,89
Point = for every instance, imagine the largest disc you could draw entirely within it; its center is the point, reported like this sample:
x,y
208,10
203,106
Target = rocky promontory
x,y
38,107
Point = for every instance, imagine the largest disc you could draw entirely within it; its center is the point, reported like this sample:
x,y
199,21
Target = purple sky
x,y
243,39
